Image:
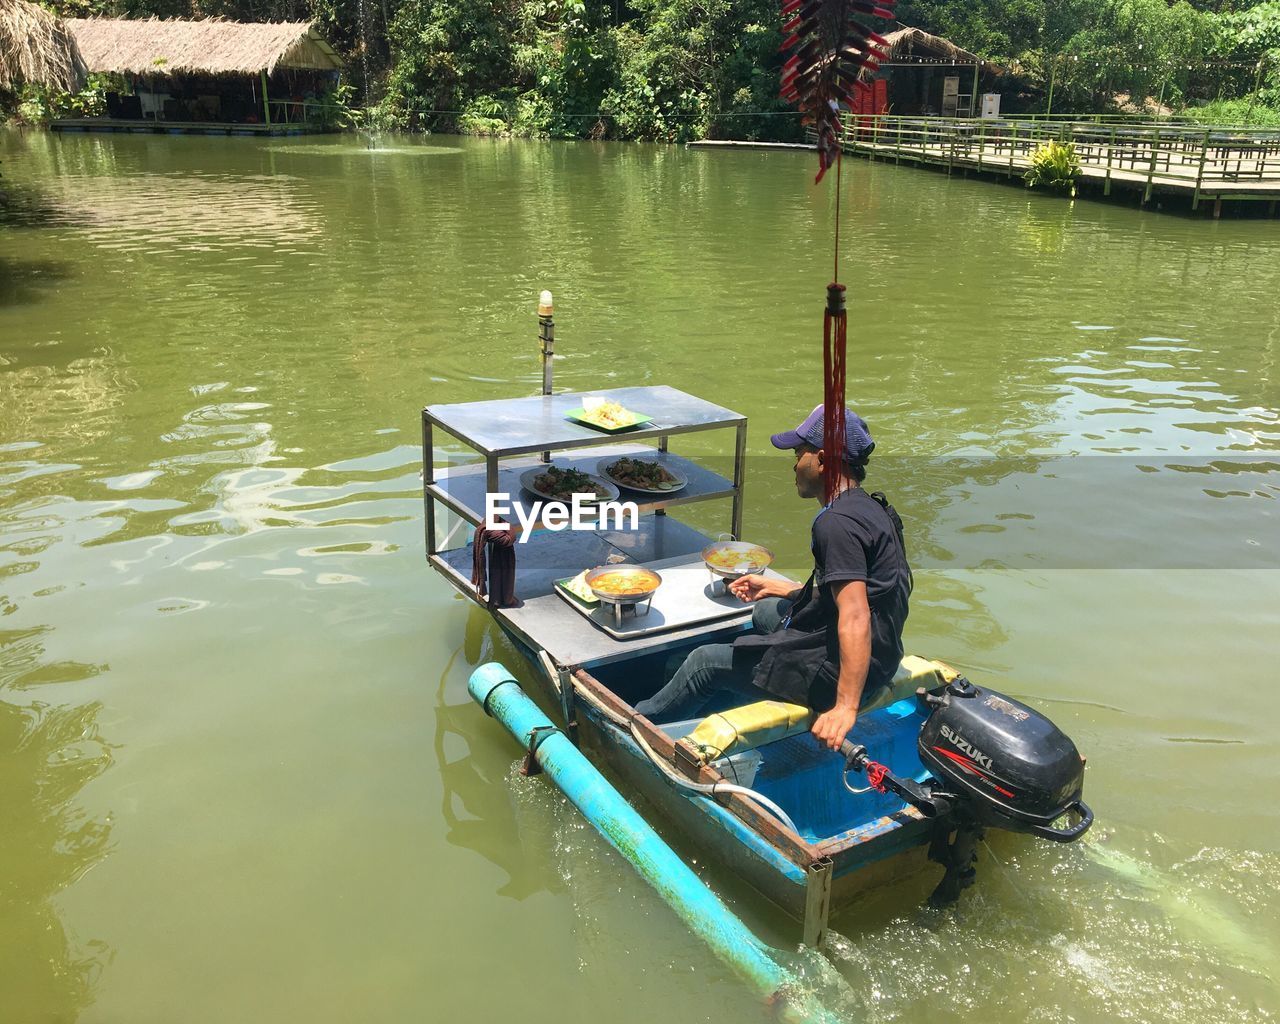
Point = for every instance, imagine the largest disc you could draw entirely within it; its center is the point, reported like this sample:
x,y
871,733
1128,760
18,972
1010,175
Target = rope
x,y
875,775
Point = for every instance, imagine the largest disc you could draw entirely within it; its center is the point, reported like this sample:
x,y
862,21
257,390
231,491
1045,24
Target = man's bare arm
x,y
854,632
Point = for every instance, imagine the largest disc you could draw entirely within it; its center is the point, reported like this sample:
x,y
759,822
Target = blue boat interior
x,y
803,778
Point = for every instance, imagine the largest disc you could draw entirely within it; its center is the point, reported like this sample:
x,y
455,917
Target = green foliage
x,y
485,115
651,69
673,70
1251,37
38,104
1054,165
334,108
1250,113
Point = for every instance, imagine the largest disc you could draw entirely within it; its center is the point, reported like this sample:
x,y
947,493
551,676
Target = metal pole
x,y
739,477
1257,84
1053,73
546,345
973,95
493,688
428,478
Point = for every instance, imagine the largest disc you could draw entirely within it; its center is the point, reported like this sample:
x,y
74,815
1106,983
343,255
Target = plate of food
x,y
561,483
647,476
576,588
610,417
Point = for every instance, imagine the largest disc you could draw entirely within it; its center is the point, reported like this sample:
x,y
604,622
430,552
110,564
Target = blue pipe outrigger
x,y
494,688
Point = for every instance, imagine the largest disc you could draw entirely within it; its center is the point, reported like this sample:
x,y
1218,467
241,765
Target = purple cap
x,y
857,438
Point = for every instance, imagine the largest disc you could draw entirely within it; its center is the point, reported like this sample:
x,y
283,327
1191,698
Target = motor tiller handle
x,y
856,760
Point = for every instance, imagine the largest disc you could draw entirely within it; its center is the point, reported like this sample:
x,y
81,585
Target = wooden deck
x,y
151,127
1197,163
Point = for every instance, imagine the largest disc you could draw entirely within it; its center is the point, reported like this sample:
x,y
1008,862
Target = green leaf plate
x,y
563,590
582,416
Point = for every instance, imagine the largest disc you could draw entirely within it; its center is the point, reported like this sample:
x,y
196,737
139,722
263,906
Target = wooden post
x,y
1151,169
897,156
266,107
1204,152
1106,191
973,93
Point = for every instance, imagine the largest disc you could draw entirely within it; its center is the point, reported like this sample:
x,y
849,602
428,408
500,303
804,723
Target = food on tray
x,y
624,582
647,476
562,484
736,560
607,413
579,589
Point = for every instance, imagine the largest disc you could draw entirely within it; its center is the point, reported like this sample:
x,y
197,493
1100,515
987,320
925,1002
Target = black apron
x,y
800,662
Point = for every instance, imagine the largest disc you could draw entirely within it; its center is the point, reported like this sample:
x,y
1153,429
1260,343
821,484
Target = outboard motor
x,y
995,763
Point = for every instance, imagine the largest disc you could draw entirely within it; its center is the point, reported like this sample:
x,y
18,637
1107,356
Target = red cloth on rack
x,y
493,566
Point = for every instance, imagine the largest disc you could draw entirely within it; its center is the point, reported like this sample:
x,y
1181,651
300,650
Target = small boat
x,y
765,801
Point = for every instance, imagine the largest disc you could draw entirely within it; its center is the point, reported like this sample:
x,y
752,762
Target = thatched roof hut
x,y
210,47
906,44
36,47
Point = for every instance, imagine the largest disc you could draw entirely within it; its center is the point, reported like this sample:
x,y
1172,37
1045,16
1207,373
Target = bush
x,y
1054,165
1248,112
38,104
484,115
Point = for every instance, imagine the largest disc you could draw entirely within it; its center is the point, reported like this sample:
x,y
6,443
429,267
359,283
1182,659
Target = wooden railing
x,y
1142,153
295,111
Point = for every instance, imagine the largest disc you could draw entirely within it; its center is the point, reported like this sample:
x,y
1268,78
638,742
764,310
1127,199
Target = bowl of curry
x,y
623,584
733,559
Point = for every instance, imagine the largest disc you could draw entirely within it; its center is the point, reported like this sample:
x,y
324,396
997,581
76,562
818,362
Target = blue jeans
x,y
713,668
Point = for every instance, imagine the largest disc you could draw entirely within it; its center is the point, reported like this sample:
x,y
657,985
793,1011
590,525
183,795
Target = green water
x,y
240,778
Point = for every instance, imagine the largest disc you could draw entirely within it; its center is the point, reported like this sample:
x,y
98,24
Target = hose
x,y
711,788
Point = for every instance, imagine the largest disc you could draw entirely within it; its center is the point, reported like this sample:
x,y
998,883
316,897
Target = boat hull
x,y
881,852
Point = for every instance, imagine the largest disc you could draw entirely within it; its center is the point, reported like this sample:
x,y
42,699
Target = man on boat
x,y
832,644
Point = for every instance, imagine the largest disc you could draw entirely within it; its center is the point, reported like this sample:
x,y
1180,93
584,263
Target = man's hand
x,y
831,727
753,588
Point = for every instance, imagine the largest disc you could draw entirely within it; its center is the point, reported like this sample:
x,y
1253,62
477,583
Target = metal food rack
x,y
507,437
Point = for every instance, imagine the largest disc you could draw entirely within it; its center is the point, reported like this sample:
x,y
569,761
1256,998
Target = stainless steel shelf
x,y
463,488
518,426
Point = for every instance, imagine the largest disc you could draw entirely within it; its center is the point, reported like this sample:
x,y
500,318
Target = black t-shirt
x,y
855,539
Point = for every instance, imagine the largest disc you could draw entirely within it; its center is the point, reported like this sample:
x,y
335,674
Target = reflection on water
x,y
48,753
477,804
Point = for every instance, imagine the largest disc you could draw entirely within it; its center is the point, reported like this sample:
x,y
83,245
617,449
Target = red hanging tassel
x,y
831,49
833,376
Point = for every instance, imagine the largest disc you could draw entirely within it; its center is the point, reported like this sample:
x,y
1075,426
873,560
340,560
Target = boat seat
x,y
762,722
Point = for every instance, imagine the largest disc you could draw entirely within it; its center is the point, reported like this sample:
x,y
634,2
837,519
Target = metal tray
x,y
686,598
